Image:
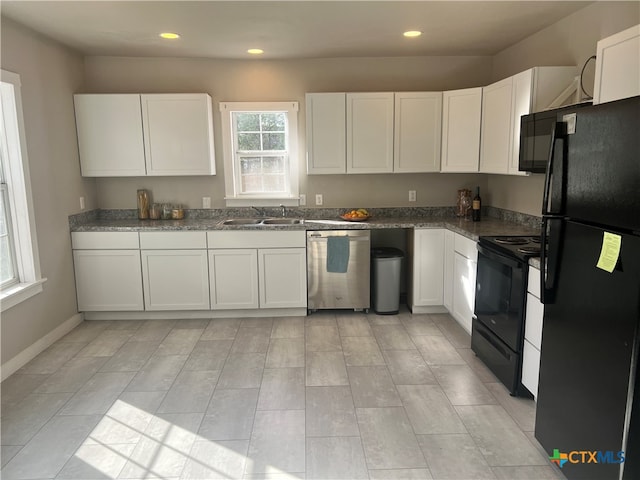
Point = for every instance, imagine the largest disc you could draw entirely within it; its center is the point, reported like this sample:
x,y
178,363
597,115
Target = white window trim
x,y
21,204
231,195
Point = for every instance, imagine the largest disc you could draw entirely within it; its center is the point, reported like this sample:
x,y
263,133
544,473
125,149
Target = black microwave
x,y
535,137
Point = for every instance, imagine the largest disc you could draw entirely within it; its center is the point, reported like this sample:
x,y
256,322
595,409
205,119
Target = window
x,y
260,153
19,264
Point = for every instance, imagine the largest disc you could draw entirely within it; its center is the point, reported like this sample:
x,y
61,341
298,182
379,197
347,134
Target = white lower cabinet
x,y
175,279
426,246
465,261
282,277
107,268
532,333
175,270
464,289
108,280
233,278
264,270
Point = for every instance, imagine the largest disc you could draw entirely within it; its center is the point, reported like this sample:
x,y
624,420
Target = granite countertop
x,y
472,230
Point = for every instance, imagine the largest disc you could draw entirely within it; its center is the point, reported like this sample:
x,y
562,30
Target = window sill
x,y
261,202
16,294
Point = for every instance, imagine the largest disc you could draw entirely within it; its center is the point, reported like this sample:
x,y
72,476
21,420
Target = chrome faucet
x,y
284,210
259,210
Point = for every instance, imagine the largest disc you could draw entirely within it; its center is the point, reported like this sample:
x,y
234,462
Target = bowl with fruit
x,y
357,215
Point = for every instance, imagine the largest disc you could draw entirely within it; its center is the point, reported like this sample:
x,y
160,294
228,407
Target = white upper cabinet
x,y
417,134
461,116
110,141
122,135
373,132
504,102
370,132
178,134
326,133
618,66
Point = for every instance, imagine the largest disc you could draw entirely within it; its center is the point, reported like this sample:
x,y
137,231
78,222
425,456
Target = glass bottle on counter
x,y
463,204
476,206
143,204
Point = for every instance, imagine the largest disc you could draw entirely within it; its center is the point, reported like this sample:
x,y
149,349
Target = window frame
x,y
233,196
16,171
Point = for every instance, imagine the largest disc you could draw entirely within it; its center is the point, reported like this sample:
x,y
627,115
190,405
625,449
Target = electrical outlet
x,y
302,199
318,199
81,203
206,202
412,195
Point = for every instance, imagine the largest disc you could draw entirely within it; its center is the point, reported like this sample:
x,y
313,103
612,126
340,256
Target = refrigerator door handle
x,y
558,132
551,235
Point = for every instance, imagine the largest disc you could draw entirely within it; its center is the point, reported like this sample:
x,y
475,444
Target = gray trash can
x,y
386,263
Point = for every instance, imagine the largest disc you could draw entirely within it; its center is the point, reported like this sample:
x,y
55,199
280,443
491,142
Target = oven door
x,y
500,295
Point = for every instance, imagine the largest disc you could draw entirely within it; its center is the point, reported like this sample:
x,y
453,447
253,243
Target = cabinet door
x,y
326,133
448,269
418,132
282,277
618,66
428,267
175,279
530,367
521,105
461,117
369,132
464,290
109,129
178,132
497,121
233,278
108,280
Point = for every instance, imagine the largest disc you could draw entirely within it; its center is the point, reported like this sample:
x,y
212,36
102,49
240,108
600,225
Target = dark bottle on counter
x,y
476,205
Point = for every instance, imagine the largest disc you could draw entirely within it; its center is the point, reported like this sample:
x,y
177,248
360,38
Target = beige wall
x,y
253,80
571,41
49,75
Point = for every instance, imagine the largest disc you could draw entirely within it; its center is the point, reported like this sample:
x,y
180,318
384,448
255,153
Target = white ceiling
x,y
288,29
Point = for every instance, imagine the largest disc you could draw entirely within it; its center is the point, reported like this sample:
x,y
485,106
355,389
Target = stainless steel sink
x,y
242,221
281,221
261,221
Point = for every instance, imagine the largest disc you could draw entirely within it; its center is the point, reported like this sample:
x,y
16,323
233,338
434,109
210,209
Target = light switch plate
x,y
302,199
412,195
319,199
206,202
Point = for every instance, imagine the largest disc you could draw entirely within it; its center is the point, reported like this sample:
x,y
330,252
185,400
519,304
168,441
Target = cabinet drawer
x,y
465,247
104,240
530,367
172,240
533,282
533,322
261,239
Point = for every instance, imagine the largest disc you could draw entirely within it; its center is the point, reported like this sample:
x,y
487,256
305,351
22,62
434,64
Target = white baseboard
x,y
29,353
428,309
190,314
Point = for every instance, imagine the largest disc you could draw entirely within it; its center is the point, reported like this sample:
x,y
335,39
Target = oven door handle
x,y
498,257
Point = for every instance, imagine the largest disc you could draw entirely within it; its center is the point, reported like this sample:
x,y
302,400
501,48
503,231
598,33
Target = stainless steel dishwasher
x,y
328,289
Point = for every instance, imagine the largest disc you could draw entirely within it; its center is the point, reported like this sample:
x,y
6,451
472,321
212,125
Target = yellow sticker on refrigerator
x,y
610,252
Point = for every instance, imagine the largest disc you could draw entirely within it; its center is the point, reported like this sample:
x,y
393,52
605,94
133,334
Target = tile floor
x,y
335,395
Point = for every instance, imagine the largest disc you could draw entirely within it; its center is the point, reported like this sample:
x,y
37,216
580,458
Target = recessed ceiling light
x,y
412,33
169,35
255,51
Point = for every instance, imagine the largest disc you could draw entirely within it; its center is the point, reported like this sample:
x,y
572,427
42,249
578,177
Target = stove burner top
x,y
537,239
529,250
511,240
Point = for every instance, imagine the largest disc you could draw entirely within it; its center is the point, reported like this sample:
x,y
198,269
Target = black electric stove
x,y
497,335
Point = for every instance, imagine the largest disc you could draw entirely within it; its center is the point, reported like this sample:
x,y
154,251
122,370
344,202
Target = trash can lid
x,y
386,252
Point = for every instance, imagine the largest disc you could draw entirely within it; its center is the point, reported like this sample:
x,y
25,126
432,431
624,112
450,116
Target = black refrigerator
x,y
588,404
